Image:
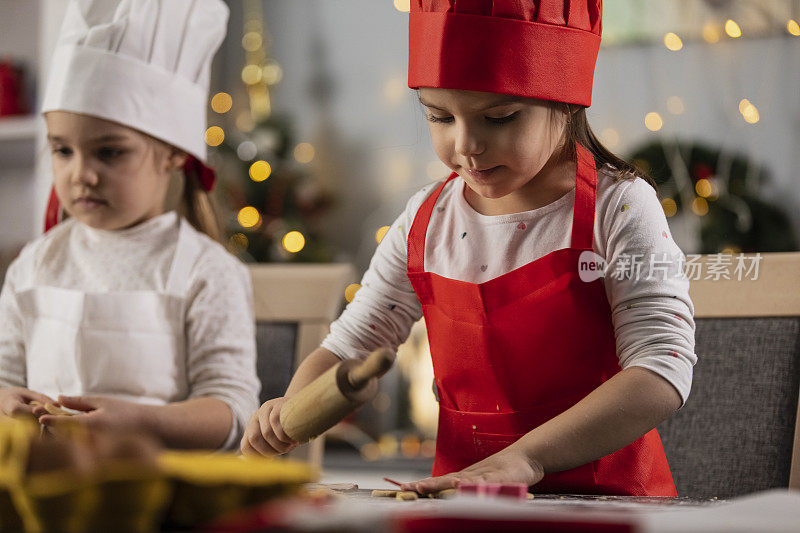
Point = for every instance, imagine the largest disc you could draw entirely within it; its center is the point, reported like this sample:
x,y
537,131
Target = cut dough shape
x,y
380,493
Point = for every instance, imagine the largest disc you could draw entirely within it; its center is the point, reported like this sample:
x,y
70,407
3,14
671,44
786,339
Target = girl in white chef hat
x,y
127,311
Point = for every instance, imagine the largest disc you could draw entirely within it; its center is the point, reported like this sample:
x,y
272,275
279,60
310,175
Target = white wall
x,y
18,40
28,31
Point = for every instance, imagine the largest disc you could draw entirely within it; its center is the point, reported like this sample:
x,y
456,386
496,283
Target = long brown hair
x,y
198,206
578,131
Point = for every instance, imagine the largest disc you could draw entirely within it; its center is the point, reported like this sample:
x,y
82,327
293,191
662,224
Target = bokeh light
x,y
732,29
711,33
700,206
370,452
673,42
793,27
294,241
221,103
428,448
259,171
395,91
675,105
381,233
749,111
214,136
304,153
731,249
251,41
272,73
249,217
402,5
669,206
388,445
238,241
246,150
350,291
703,188
610,137
410,446
653,121
245,122
251,74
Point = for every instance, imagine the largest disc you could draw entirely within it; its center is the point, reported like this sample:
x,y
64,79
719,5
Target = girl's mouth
x,y
89,203
481,174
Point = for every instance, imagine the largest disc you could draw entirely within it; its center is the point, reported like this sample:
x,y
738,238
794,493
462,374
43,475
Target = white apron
x,y
127,345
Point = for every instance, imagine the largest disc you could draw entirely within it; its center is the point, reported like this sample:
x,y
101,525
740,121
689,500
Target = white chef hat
x,y
142,63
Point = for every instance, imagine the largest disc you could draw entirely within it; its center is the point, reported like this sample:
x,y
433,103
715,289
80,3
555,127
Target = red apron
x,y
513,352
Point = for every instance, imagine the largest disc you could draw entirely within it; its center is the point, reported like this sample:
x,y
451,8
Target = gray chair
x,y
294,305
738,433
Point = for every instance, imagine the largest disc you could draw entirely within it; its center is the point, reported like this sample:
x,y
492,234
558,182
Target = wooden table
x,y
357,511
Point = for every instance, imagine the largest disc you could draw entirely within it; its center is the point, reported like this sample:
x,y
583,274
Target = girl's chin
x,y
490,192
98,221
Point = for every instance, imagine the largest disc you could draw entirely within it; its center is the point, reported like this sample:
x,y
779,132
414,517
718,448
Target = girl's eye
x,y
109,153
440,120
503,120
62,151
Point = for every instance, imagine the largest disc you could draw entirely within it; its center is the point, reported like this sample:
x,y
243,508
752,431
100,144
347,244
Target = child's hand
x,y
506,466
98,413
16,401
264,434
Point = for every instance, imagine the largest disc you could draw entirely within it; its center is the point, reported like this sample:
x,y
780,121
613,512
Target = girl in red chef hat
x,y
559,322
126,311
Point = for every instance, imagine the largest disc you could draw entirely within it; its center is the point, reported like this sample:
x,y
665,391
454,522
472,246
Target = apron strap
x,y
585,197
186,252
419,229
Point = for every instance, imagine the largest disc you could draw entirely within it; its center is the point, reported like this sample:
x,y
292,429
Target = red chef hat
x,y
543,49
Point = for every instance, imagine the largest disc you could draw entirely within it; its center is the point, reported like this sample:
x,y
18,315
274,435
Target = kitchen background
x,y
319,142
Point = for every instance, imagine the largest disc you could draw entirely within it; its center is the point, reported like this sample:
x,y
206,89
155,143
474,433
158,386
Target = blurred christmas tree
x,y
275,207
722,189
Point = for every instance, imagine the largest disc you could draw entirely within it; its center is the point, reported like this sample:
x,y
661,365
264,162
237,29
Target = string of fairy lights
x,y
260,74
705,189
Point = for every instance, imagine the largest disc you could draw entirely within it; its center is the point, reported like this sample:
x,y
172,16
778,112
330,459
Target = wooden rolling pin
x,y
324,402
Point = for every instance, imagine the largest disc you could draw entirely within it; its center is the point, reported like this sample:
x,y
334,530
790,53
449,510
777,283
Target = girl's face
x,y
106,175
497,143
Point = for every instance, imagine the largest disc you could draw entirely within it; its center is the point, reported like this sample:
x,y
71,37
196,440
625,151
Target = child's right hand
x,y
264,434
16,401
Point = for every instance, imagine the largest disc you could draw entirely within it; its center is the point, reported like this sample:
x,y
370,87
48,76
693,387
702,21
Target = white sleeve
x,y
386,307
220,338
652,313
12,342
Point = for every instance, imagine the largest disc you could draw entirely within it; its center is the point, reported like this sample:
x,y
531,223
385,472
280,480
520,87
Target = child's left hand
x,y
98,413
506,466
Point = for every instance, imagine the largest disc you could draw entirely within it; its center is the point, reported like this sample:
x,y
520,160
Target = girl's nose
x,y
83,173
468,142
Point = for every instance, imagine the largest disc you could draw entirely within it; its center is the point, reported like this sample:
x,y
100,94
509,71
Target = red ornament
x,y
701,171
12,100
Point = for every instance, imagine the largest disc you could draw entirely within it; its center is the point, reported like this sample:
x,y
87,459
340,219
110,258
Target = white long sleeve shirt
x,y
652,313
219,322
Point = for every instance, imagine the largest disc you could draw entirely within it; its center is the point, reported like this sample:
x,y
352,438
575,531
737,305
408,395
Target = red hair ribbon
x,y
52,215
195,167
